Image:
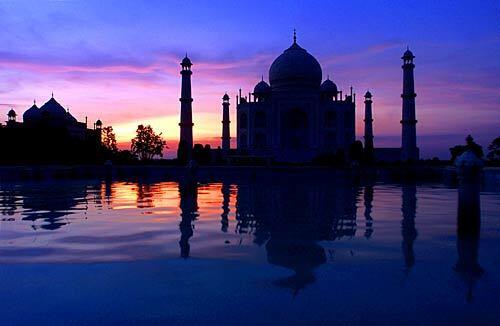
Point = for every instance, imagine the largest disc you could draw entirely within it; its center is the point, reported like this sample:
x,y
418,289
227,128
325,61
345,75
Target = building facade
x,y
296,117
48,133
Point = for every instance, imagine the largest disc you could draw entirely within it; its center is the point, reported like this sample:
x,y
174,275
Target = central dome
x,y
295,67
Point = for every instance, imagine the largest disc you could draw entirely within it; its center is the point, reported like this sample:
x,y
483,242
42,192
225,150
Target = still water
x,y
281,250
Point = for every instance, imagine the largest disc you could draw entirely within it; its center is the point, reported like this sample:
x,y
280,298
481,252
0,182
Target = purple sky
x,y
119,60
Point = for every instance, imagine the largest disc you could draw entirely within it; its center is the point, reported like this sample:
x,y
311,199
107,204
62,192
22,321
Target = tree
x,y
147,144
108,139
494,150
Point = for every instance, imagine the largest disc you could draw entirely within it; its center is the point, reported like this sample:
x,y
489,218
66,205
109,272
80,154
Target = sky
x,y
118,61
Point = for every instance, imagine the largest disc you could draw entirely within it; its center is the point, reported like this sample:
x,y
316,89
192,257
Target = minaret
x,y
368,126
409,150
186,124
226,138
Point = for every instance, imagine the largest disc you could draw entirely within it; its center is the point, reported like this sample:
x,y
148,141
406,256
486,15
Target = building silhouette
x,y
186,123
409,150
368,126
226,136
49,133
297,118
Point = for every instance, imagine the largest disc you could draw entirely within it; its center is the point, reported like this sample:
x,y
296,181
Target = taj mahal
x,y
298,116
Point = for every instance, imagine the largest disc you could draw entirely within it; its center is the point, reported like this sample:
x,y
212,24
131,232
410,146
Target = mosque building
x,y
298,116
46,133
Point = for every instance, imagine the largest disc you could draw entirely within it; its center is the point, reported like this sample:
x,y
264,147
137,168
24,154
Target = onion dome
x,y
56,113
32,114
186,62
329,87
70,118
98,123
261,87
468,159
225,97
12,113
368,94
54,109
295,67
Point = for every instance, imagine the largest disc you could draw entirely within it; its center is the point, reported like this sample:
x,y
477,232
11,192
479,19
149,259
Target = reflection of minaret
x,y
368,126
368,200
408,230
226,138
186,123
108,191
409,150
468,230
226,187
188,193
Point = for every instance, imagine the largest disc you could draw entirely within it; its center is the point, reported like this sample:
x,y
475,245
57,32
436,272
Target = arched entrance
x,y
294,129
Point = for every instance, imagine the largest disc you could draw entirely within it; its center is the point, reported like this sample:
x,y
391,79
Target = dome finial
x,y
294,36
262,78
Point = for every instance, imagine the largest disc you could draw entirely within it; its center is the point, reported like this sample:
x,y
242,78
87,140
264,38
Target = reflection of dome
x,y
32,114
295,67
261,87
329,87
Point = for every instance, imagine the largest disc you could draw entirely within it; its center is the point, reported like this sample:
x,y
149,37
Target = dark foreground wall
x,y
447,175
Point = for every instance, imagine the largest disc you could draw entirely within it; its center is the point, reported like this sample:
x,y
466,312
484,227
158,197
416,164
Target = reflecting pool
x,y
279,250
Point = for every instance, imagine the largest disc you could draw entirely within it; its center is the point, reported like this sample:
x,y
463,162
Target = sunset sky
x,y
119,60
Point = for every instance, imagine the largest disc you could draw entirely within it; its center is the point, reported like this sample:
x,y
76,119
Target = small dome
x,y
261,87
295,67
408,55
12,113
368,94
225,97
186,62
32,114
98,123
329,87
468,159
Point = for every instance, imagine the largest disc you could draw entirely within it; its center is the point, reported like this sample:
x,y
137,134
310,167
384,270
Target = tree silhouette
x,y
147,144
494,150
108,139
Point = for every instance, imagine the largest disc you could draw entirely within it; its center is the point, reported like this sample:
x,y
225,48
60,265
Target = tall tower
x,y
186,124
368,126
226,138
409,149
